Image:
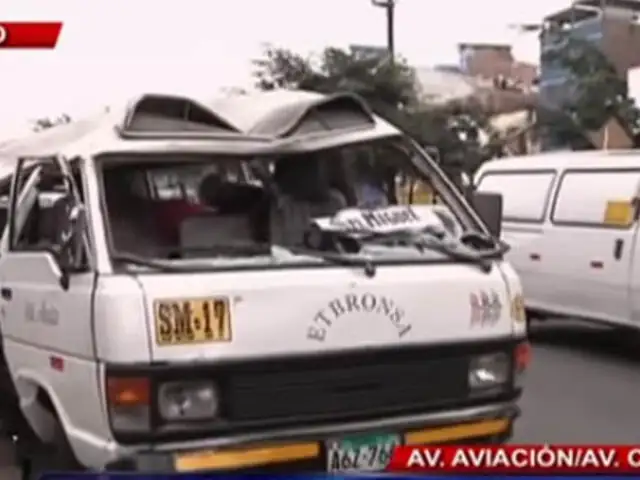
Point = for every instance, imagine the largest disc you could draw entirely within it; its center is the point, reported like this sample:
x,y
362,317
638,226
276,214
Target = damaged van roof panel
x,y
283,113
255,124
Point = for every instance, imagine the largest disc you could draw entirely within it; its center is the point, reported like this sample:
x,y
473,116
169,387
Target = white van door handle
x,y
6,293
618,246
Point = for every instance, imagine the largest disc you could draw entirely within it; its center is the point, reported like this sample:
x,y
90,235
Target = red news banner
x,y
30,35
519,459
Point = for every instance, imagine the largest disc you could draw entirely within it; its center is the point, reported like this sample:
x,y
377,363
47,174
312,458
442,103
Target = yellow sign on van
x,y
190,321
618,213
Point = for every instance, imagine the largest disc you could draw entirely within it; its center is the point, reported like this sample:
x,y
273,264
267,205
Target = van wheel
x,y
54,457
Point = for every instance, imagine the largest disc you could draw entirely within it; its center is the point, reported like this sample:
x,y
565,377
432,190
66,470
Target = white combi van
x,y
571,219
187,287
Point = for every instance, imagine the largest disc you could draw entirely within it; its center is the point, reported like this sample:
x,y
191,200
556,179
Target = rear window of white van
x,y
524,194
574,206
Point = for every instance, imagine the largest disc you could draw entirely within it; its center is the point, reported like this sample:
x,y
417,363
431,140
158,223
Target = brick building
x,y
490,61
504,84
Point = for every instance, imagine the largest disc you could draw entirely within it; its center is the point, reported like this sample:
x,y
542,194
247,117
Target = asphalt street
x,y
583,387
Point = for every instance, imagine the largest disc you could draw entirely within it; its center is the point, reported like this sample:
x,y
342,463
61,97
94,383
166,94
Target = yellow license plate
x,y
181,321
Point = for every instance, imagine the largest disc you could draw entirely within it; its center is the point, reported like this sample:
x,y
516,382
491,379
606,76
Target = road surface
x,y
583,387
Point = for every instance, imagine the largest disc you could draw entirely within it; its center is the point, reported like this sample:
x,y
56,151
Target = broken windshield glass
x,y
174,207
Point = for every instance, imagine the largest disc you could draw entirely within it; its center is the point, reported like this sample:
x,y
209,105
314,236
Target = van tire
x,y
57,456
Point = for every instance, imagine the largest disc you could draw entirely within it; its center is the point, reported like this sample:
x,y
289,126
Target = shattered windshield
x,y
373,201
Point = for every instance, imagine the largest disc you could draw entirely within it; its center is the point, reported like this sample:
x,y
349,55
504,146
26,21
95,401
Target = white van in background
x,y
571,220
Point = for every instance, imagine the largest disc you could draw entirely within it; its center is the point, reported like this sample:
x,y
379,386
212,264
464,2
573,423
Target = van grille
x,y
346,386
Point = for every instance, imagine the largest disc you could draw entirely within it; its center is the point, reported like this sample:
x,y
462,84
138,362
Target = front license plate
x,y
188,321
369,453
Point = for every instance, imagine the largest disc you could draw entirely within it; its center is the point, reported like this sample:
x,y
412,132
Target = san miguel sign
x,y
387,219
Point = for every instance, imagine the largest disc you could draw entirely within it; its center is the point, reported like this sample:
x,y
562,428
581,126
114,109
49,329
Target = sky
x,y
111,49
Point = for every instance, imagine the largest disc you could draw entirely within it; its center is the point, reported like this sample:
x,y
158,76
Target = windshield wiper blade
x,y
431,239
486,245
337,258
453,251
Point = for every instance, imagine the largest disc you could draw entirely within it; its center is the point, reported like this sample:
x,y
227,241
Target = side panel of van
x,y
590,251
526,195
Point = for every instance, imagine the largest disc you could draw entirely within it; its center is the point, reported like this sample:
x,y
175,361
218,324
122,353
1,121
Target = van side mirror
x,y
488,206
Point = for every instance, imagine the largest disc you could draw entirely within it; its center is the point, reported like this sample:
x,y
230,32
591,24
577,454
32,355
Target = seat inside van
x,y
304,193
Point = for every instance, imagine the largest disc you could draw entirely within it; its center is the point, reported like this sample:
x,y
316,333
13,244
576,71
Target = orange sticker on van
x,y
618,213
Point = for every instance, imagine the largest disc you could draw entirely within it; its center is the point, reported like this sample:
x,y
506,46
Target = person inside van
x,y
305,192
370,183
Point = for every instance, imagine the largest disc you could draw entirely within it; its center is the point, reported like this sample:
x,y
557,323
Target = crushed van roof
x,y
277,113
237,124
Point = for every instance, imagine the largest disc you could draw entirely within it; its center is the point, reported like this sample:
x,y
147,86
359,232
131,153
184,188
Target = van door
x,y
526,195
592,243
46,288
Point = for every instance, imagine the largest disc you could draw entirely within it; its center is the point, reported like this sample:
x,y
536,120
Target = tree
x,y
389,87
595,91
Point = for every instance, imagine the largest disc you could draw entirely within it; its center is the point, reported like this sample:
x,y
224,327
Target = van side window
x,y
607,190
45,224
525,195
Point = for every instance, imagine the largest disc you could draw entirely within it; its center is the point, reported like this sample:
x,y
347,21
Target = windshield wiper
x,y
453,251
431,239
247,249
338,258
486,245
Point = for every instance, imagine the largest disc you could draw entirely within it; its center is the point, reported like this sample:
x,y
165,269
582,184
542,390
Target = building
x,y
503,84
507,90
612,25
495,61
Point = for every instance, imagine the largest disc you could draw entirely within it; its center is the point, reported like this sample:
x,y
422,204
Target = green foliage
x,y
389,87
595,90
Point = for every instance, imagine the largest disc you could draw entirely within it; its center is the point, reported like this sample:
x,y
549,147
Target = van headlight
x,y
487,371
188,401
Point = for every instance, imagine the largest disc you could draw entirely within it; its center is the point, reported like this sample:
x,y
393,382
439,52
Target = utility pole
x,y
389,6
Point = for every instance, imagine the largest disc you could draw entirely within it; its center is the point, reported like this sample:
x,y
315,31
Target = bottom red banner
x,y
518,459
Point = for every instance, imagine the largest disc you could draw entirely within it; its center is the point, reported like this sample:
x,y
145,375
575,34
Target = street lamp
x,y
389,6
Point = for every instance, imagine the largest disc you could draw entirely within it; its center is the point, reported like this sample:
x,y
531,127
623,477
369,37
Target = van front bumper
x,y
302,448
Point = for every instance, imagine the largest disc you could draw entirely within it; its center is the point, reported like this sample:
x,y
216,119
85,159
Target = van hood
x,y
224,315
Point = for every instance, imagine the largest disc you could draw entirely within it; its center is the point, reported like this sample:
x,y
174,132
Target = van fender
x,y
45,413
41,416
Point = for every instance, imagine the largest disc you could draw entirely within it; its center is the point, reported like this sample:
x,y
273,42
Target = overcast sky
x,y
110,49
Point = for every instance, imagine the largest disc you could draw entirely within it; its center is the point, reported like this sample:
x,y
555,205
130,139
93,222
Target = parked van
x,y
190,287
571,219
